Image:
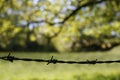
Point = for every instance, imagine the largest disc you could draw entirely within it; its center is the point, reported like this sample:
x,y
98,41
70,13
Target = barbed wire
x,y
54,61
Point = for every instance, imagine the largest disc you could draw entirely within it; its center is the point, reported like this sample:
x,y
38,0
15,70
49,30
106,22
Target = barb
x,y
54,61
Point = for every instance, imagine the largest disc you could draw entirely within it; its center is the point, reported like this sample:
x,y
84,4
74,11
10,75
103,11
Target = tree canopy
x,y
64,25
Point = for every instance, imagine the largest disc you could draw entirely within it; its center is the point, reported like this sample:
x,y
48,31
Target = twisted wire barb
x,y
54,61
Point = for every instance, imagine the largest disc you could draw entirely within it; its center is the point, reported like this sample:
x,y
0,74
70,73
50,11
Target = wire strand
x,y
54,61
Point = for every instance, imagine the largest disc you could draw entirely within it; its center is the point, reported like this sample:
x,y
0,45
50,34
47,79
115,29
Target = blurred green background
x,y
67,29
62,26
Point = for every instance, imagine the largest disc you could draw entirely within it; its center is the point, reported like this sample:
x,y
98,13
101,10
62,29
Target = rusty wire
x,y
54,61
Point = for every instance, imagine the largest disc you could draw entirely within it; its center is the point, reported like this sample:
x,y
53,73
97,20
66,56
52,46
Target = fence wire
x,y
54,61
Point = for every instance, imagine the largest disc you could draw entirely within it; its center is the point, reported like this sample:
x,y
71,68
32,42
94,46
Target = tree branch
x,y
81,6
92,2
67,17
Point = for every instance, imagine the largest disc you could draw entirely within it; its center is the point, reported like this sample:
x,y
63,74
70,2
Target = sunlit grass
x,y
20,70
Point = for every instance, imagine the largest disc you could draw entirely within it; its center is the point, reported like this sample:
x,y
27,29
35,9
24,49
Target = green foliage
x,y
94,25
104,36
11,35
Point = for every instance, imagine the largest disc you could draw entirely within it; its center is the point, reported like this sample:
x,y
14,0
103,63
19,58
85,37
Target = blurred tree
x,y
64,25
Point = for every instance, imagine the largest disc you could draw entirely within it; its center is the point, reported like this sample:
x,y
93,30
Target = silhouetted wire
x,y
54,61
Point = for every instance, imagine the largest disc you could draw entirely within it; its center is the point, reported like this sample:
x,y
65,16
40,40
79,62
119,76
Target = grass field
x,y
20,70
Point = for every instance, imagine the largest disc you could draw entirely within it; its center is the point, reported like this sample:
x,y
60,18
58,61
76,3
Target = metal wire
x,y
54,61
